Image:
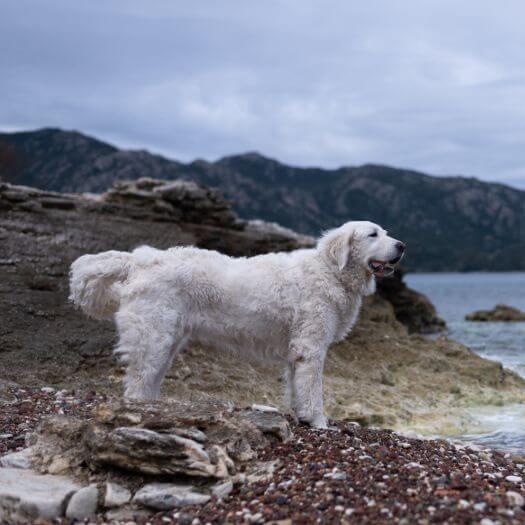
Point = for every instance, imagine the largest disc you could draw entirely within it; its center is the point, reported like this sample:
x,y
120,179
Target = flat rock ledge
x,y
500,313
137,456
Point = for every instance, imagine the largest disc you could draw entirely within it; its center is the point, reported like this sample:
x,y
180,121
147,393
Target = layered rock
x,y
179,199
500,313
165,455
202,439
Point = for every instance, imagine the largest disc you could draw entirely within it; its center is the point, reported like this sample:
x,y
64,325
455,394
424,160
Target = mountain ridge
x,y
449,222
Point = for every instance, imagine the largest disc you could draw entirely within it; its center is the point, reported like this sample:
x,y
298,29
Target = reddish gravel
x,y
349,475
22,416
371,476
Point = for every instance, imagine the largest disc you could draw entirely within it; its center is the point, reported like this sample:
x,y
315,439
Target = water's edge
x,y
455,295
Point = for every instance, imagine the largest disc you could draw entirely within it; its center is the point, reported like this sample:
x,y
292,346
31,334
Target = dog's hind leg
x,y
289,393
290,397
148,343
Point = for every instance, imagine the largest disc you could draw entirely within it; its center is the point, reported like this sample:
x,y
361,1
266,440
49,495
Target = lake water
x,y
456,294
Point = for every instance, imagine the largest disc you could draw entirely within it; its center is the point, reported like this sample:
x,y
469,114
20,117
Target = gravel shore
x,y
28,406
358,475
349,474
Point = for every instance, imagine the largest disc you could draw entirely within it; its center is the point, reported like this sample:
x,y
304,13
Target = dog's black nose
x,y
401,246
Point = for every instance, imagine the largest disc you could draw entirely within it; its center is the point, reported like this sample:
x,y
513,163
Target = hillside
x,y
449,223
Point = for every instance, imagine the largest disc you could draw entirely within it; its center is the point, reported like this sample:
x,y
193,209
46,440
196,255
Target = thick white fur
x,y
287,307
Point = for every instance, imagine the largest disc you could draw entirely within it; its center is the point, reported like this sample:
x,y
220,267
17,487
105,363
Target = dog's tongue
x,y
381,268
377,266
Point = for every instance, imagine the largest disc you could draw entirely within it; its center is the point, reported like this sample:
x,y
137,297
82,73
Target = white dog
x,y
287,307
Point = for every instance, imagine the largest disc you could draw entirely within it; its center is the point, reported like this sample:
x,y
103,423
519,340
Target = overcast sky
x,y
437,86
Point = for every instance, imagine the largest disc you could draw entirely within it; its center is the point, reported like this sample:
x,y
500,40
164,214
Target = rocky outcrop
x,y
165,455
204,439
200,439
412,309
500,313
177,200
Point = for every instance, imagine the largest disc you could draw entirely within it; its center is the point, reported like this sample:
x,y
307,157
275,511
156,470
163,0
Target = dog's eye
x,y
373,234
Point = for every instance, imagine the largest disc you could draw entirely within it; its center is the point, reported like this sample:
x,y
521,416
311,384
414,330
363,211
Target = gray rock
x,y
151,452
515,499
514,479
166,496
200,438
264,408
116,495
83,503
22,459
26,495
221,490
15,196
269,423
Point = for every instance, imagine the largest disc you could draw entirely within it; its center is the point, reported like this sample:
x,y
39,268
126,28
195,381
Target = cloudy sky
x,y
437,86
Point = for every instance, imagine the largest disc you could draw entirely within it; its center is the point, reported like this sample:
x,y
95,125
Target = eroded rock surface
x,y
199,439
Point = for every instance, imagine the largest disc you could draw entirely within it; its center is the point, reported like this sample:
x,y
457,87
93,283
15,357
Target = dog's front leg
x,y
307,386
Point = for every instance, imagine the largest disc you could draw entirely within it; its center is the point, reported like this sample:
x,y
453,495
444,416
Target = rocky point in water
x,y
500,313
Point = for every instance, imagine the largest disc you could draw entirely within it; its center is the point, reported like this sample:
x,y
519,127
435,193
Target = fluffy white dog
x,y
287,307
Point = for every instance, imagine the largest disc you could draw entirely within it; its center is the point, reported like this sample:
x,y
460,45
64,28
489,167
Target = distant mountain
x,y
449,223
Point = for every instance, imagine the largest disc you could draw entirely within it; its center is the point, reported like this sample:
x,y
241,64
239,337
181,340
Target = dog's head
x,y
363,243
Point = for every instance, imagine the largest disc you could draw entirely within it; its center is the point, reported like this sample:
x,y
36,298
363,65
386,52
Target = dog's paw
x,y
317,422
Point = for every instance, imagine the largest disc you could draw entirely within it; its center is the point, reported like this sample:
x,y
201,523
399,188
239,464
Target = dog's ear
x,y
335,245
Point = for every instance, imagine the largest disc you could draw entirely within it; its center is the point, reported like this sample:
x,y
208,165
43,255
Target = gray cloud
x,y
437,85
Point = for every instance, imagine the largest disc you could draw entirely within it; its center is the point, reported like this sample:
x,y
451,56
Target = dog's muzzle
x,y
384,268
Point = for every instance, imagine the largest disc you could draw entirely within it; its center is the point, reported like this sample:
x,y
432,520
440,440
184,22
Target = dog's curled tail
x,y
91,282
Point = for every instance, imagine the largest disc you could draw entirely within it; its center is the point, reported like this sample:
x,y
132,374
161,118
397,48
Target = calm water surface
x,y
455,295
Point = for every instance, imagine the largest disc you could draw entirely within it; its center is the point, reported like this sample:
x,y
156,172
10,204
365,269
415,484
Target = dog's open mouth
x,y
383,268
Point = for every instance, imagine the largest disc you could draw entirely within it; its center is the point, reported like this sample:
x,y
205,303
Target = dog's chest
x,y
347,317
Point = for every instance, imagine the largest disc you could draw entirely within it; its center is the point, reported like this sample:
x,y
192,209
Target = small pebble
x,y
514,479
515,499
